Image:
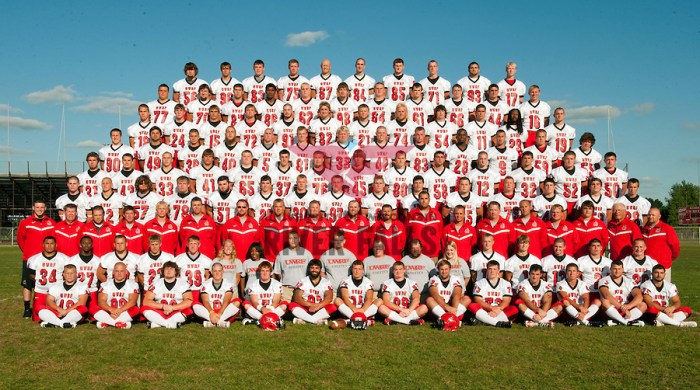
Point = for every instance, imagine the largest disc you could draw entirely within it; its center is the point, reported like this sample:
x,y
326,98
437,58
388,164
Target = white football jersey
x,y
660,295
188,90
340,155
166,295
67,296
398,87
600,207
637,208
255,87
264,292
510,205
261,205
555,269
111,156
399,181
179,133
343,112
363,134
162,112
144,206
458,112
91,182
420,157
472,202
283,181
140,132
200,110
380,156
568,183
206,179
335,205
520,268
234,111
510,93
324,130
542,159
325,86
502,160
319,182
87,270
446,289
434,90
535,293
474,90
246,181
216,295
267,156
592,271
575,292
286,132
124,182
223,206
359,182
357,290
380,112
419,111
587,160
305,111
190,157
82,201
514,140
479,261
410,202
179,206
298,204
291,86
496,112
131,260
336,265
250,133
270,113
622,291
313,293
118,296
534,115
152,157
440,184
360,87
229,155
527,183
165,182
480,134
400,292
212,133
151,266
638,271
560,138
484,181
440,134
111,206
48,270
223,90
193,270
612,181
492,294
374,203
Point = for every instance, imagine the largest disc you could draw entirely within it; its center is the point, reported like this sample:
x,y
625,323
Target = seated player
x,y
576,298
46,270
169,300
663,301
401,299
638,265
492,296
86,265
195,266
65,302
356,294
447,293
535,299
594,266
217,307
116,300
264,294
621,297
313,297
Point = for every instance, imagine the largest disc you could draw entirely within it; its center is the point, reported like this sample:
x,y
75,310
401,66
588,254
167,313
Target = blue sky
x,y
637,60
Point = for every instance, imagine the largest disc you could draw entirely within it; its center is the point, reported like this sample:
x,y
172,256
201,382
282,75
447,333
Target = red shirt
x,y
274,235
168,234
464,237
502,232
622,235
134,236
393,237
662,243
587,231
102,237
426,228
565,230
68,237
357,234
31,233
205,229
243,235
315,237
536,229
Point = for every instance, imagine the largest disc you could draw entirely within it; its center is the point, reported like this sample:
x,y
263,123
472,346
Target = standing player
x,y
535,113
575,295
185,90
290,85
446,293
492,296
479,131
478,263
560,135
270,109
325,84
440,180
570,180
168,302
151,154
151,263
65,303
117,301
165,178
544,156
508,200
420,156
602,205
250,129
485,180
401,129
398,83
614,180
474,85
138,132
528,179
459,109
535,299
586,157
228,153
460,155
176,131
517,267
420,111
143,200
335,202
436,88
195,267
246,176
374,202
306,107
496,109
213,130
121,254
554,265
180,201
661,297
361,85
91,179
266,154
313,297
111,155
323,128
471,202
363,130
401,299
47,267
286,127
621,297
356,294
638,266
380,107
542,204
234,111
217,307
440,131
298,201
254,86
110,201
124,181
501,158
359,177
343,107
512,90
400,176
261,203
637,206
80,199
198,110
162,109
222,88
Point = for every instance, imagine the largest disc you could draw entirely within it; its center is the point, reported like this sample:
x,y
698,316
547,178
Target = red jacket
x,y
274,235
134,237
102,238
68,237
536,229
243,235
205,229
662,243
565,230
357,234
502,232
622,235
168,234
315,237
587,231
31,233
393,237
426,228
465,238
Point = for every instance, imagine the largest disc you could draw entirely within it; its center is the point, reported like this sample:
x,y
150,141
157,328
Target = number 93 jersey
x,y
314,293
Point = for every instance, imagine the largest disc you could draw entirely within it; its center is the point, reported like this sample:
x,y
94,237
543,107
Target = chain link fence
x,y
688,233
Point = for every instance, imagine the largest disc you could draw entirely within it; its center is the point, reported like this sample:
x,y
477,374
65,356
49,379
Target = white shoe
x,y
689,324
173,326
547,324
101,325
223,324
658,323
248,321
531,324
322,322
208,324
612,323
638,323
152,325
298,321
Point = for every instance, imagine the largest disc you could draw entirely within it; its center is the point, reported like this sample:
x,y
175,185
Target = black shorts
x,y
27,280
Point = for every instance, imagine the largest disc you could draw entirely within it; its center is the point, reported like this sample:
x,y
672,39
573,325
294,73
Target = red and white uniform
x,y
144,206
255,88
576,292
270,113
325,87
223,206
49,270
427,228
600,206
282,181
612,181
250,133
343,112
319,182
542,205
267,156
399,182
527,183
420,157
359,87
151,265
555,268
334,205
315,236
235,111
286,131
229,156
162,112
357,292
124,182
91,182
212,133
534,115
542,158
637,208
461,160
496,112
458,112
112,157
130,259
622,291
363,134
179,133
401,133
193,270
400,292
298,204
434,90
242,233
111,206
179,206
492,295
222,90
474,90
374,204
472,202
165,182
480,134
152,157
265,295
446,289
291,86
559,138
340,155
324,130
502,160
117,297
191,157
301,157
510,205
206,179
200,111
510,92
164,295
359,182
639,271
661,296
419,111
587,160
261,205
187,90
380,156
398,87
82,200
441,134
535,293
484,181
140,132
440,184
216,295
520,268
313,293
479,262
305,111
380,112
515,140
592,271
568,183
203,227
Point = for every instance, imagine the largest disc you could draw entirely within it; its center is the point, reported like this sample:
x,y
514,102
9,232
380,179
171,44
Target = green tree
x,y
682,194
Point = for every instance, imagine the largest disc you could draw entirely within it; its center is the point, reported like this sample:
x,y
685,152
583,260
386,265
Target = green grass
x,y
381,357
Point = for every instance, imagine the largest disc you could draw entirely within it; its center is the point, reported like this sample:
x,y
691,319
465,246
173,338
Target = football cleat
x,y
689,324
27,313
298,321
152,325
636,323
548,324
101,325
322,322
503,324
571,323
595,324
470,320
418,322
69,325
223,324
658,323
280,324
122,325
531,324
389,322
208,324
45,324
248,321
612,323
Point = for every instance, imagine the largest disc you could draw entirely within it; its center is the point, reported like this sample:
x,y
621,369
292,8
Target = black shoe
x,y
571,323
470,321
439,324
68,325
596,324
503,324
418,322
45,324
27,313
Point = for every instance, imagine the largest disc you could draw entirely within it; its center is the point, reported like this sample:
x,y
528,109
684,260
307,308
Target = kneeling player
x,y
575,295
492,296
663,301
169,300
116,300
217,307
621,298
535,299
313,297
65,302
357,294
401,299
263,296
446,293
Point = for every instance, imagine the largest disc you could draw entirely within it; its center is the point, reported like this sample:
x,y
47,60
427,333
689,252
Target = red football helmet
x,y
450,322
269,321
358,321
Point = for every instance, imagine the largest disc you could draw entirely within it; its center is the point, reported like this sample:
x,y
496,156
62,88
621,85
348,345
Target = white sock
x,y
551,316
438,311
155,317
279,311
394,316
371,310
124,317
104,317
48,316
345,310
73,317
320,315
592,310
572,311
302,314
529,313
613,314
230,312
484,317
502,317
679,316
413,315
201,312
461,309
177,318
253,313
635,314
663,318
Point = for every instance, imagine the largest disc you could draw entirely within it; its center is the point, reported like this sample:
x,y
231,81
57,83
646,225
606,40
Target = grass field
x,y
382,357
